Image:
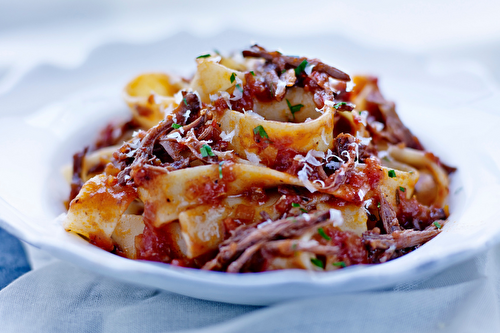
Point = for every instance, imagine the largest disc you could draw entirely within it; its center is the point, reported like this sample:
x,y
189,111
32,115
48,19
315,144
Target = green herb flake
x,y
294,246
220,169
283,71
252,72
303,210
185,102
437,224
300,68
411,172
206,151
176,126
318,263
339,264
239,87
203,56
294,204
385,158
378,205
338,105
260,131
294,108
216,51
233,77
323,234
402,189
392,173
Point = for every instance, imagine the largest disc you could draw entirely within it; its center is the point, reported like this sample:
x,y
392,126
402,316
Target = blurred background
x,y
63,33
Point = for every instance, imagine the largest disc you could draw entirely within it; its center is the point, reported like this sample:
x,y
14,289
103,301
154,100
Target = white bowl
x,y
35,147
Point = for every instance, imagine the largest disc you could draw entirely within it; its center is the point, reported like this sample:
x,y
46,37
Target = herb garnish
x,y
338,105
378,205
340,264
317,262
206,151
220,169
294,204
402,189
300,68
260,131
185,102
233,77
323,234
294,108
252,72
392,173
239,87
203,56
437,224
176,126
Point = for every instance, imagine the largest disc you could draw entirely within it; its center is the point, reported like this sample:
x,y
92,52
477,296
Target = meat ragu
x,y
270,162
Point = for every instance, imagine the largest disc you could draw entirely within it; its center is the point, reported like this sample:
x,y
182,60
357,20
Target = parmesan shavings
x,y
238,94
263,224
304,178
362,115
253,114
362,139
309,68
227,137
336,216
280,87
378,126
252,158
176,136
323,137
311,157
186,115
349,86
178,97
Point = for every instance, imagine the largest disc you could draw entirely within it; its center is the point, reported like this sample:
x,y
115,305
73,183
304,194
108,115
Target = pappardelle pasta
x,y
259,163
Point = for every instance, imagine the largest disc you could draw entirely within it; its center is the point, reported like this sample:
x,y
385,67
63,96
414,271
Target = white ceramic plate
x,y
36,146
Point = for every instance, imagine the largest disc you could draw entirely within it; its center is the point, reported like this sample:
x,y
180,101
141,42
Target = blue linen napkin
x,y
13,261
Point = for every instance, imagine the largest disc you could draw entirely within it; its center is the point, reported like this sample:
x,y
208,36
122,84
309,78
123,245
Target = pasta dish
x,y
258,162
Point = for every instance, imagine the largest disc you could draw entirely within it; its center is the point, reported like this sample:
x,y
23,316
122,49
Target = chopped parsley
x,y
203,56
294,108
176,126
283,71
252,72
300,68
323,234
233,77
402,189
303,210
206,151
260,131
392,173
339,264
239,87
318,263
378,205
338,105
220,169
294,204
437,225
185,102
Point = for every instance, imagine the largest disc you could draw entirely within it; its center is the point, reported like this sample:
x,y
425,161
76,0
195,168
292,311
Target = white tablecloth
x,y
60,297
